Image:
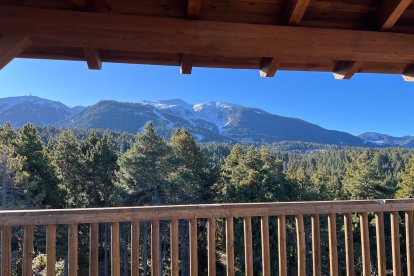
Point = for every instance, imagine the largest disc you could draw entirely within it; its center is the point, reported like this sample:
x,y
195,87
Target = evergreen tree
x,y
406,185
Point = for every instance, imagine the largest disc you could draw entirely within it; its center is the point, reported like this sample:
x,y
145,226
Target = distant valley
x,y
207,122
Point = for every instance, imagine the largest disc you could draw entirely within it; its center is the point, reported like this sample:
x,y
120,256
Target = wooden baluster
x,y
73,249
333,248
379,218
316,245
155,248
193,247
349,245
51,250
281,229
211,233
115,250
135,248
409,237
301,246
265,246
366,255
28,250
175,268
6,250
229,246
248,246
395,238
93,249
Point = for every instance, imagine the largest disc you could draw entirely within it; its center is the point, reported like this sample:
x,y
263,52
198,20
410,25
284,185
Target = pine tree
x,y
42,178
406,185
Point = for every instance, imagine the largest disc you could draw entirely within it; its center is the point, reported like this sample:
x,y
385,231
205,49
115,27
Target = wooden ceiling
x,y
340,36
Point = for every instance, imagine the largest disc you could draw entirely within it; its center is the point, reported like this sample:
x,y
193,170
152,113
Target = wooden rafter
x,y
269,67
408,74
295,11
194,8
390,11
345,70
12,46
93,58
186,64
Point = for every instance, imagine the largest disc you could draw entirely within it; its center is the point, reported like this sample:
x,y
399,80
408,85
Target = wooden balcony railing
x,y
226,213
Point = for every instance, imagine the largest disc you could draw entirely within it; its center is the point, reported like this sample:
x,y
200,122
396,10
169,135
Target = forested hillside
x,y
51,168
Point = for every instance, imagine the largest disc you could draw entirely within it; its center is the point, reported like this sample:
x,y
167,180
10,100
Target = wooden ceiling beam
x,y
205,38
269,67
93,58
186,64
194,9
390,11
12,46
408,74
295,10
345,70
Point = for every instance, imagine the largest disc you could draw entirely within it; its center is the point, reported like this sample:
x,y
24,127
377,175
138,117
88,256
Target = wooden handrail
x,y
169,212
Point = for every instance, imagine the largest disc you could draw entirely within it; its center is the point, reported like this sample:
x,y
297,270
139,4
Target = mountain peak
x,y
168,104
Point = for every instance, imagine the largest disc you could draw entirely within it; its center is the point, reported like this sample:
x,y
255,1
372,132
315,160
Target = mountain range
x,y
207,122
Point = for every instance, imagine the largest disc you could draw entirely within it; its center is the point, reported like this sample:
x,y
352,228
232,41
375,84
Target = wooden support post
x,y
28,250
349,245
408,74
175,267
12,46
73,249
186,64
366,256
93,58
409,237
281,229
6,250
265,246
193,247
395,243
211,233
51,250
248,247
345,70
301,246
333,247
115,250
268,67
94,249
135,229
379,218
316,245
229,246
155,248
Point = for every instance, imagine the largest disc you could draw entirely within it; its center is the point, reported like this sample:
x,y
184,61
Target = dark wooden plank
x,y
93,58
211,247
366,255
248,247
316,245
269,67
301,245
333,246
135,229
94,249
390,11
265,246
12,46
229,246
395,243
295,10
155,248
409,238
115,250
73,249
186,64
51,250
28,250
281,229
193,247
175,266
6,250
349,245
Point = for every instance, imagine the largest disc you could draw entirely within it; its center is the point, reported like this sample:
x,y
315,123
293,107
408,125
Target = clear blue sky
x,y
368,102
